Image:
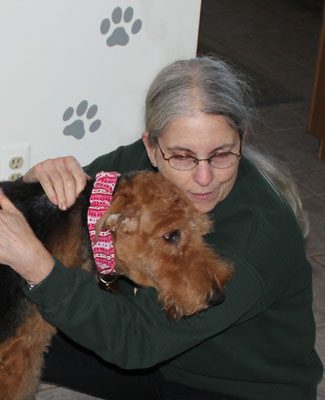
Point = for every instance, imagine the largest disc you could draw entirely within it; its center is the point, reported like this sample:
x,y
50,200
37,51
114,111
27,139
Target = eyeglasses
x,y
225,159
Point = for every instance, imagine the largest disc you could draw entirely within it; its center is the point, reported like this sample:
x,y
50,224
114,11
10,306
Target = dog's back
x,y
49,224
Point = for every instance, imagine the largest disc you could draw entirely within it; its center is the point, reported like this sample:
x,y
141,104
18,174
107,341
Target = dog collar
x,y
102,244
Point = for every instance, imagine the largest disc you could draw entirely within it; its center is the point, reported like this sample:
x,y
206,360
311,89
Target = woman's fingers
x,y
19,247
61,178
70,181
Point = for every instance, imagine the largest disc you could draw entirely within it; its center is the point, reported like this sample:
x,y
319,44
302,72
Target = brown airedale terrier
x,y
158,240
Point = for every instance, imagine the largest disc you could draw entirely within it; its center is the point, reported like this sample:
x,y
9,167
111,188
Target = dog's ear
x,y
119,222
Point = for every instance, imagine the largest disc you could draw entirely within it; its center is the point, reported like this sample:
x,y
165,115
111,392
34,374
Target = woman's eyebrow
x,y
226,146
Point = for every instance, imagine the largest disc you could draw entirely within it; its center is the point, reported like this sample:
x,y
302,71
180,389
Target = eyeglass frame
x,y
197,160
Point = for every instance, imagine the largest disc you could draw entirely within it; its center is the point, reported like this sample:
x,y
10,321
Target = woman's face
x,y
202,136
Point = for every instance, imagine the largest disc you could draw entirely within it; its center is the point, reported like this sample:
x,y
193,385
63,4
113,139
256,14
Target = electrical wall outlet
x,y
14,160
14,176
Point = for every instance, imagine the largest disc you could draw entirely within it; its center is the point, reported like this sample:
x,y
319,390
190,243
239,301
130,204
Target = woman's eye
x,y
222,155
182,157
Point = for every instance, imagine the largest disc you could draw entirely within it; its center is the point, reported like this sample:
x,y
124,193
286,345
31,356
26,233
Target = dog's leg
x,y
21,359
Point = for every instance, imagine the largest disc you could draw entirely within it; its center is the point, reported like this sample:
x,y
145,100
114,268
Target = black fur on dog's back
x,y
47,221
44,217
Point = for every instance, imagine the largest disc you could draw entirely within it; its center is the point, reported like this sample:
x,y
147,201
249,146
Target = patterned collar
x,y
102,244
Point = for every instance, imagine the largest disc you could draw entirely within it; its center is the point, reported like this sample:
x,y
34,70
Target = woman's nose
x,y
203,174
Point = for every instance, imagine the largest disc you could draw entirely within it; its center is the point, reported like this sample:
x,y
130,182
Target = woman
x,y
259,344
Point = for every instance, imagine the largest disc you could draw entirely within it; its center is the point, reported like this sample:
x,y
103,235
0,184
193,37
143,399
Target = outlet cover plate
x,y
9,152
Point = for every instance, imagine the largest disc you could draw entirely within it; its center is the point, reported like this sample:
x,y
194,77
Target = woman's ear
x,y
151,150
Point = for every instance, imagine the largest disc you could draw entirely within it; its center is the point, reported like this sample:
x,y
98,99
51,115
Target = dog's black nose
x,y
218,297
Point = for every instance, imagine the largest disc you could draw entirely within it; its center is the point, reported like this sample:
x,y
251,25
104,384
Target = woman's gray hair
x,y
211,86
201,84
282,183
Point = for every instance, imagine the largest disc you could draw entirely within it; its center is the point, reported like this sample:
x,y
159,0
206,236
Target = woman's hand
x,y
19,247
61,178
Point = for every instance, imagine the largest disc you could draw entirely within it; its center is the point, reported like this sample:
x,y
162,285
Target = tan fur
x,y
22,358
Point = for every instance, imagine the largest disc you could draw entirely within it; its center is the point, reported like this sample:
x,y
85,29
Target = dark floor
x,y
275,44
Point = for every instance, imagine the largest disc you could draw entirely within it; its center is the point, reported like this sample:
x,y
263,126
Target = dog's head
x,y
158,239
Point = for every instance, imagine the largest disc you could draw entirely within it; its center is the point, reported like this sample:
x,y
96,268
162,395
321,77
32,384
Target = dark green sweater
x,y
259,344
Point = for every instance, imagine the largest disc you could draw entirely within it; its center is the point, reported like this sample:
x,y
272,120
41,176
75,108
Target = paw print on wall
x,y
121,34
77,127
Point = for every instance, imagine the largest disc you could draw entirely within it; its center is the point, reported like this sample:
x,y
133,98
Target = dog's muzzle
x,y
218,297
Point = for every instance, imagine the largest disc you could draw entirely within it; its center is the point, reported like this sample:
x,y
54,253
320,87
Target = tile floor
x,y
276,43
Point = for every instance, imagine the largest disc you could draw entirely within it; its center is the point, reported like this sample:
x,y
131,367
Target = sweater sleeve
x,y
134,331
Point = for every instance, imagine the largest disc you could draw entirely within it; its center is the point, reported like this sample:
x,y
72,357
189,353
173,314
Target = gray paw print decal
x,y
120,35
83,113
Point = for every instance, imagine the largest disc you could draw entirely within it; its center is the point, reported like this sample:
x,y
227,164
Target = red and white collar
x,y
100,200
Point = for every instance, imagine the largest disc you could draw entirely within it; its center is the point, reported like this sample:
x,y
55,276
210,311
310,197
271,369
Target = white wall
x,y
54,55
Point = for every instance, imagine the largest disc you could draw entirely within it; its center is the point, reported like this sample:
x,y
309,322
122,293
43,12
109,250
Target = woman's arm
x,y
134,331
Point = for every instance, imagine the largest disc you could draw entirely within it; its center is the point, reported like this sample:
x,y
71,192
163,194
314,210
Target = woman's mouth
x,y
204,201
207,196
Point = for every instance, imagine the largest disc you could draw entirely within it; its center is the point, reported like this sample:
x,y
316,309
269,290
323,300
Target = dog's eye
x,y
172,237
